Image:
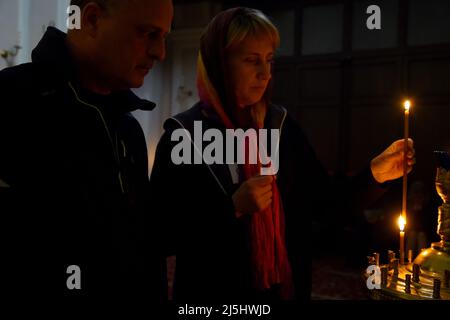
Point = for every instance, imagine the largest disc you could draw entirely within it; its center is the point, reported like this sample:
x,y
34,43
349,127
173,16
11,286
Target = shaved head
x,y
106,5
101,3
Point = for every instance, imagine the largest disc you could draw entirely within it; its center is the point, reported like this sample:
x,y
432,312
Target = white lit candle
x,y
407,106
401,225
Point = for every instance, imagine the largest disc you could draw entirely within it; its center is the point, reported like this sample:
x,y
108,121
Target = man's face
x,y
130,39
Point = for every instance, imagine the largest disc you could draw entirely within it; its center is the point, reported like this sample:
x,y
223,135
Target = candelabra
x,y
427,277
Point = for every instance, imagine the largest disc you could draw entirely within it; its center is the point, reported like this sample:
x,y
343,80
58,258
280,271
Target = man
x,y
73,161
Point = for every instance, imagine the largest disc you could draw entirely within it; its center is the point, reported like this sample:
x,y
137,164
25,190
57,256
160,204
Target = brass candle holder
x,y
427,277
436,259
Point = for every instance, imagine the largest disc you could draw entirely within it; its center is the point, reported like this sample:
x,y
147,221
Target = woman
x,y
237,234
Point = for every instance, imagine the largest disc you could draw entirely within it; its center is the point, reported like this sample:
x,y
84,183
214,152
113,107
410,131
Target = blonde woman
x,y
239,235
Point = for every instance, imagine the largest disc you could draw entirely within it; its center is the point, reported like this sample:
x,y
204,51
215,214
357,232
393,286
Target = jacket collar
x,y
275,118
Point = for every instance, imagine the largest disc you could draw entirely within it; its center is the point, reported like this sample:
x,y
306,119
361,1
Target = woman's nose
x,y
265,71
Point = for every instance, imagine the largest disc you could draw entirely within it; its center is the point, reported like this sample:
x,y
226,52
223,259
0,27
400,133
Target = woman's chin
x,y
249,102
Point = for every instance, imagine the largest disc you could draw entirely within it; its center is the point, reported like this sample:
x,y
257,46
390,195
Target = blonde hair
x,y
224,33
253,23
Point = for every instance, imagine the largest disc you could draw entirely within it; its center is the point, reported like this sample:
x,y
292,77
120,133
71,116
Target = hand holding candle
x,y
389,165
398,159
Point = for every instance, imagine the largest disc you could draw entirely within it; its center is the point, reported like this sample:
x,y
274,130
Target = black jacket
x,y
77,170
210,243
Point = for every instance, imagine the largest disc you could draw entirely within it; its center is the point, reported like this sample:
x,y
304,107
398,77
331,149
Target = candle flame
x,y
401,222
407,105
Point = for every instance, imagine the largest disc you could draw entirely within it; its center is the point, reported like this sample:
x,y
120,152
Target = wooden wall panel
x,y
285,90
372,129
430,129
429,79
320,85
321,127
374,81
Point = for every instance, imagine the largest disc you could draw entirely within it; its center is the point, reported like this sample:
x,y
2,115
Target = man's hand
x,y
253,195
389,164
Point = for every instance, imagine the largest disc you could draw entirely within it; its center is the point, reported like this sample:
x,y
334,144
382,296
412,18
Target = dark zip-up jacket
x,y
75,189
201,228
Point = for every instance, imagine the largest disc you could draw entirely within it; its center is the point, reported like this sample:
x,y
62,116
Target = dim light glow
x,y
407,105
401,222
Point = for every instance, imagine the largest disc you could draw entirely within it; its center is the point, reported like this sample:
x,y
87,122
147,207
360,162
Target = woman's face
x,y
250,65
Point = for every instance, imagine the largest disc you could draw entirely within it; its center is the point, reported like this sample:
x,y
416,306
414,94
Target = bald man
x,y
73,161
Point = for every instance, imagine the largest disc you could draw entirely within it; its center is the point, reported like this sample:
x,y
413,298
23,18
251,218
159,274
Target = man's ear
x,y
90,18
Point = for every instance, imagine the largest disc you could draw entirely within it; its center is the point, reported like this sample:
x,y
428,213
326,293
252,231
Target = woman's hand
x,y
389,164
253,195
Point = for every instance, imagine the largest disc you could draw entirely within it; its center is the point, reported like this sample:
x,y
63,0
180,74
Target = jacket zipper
x,y
200,152
115,149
